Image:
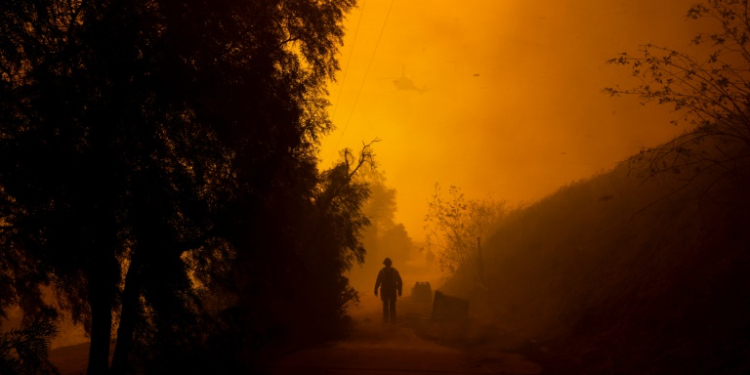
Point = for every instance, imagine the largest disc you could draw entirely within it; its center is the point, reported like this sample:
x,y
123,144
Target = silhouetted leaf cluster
x,y
711,93
24,351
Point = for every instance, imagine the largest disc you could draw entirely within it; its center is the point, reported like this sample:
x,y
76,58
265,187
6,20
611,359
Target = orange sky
x,y
511,101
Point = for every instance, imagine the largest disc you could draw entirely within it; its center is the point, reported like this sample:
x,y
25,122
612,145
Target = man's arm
x,y
379,281
399,283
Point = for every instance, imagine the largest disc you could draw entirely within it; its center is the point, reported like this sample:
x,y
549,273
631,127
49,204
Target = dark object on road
x,y
449,308
421,293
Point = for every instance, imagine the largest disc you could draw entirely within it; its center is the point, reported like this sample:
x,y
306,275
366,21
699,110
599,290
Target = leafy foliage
x,y
711,93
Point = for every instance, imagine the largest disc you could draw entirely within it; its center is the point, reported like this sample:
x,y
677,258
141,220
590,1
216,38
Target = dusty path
x,y
373,348
377,348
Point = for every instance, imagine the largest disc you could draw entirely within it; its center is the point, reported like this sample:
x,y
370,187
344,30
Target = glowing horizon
x,y
497,98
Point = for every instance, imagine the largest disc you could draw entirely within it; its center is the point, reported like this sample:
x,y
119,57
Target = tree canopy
x,y
153,150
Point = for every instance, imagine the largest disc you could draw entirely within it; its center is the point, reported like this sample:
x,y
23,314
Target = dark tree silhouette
x,y
144,142
24,351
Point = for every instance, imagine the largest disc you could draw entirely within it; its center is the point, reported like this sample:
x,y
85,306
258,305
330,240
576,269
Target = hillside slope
x,y
620,275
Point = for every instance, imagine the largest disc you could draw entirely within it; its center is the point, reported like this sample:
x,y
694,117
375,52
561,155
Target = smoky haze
x,y
497,97
174,199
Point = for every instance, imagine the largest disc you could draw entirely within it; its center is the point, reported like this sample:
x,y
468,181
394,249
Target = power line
x,y
348,61
367,71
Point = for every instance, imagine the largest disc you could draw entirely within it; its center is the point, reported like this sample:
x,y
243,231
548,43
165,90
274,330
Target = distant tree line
x,y
158,175
385,237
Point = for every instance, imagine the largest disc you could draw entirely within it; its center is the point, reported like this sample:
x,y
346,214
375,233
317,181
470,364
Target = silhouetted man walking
x,y
389,282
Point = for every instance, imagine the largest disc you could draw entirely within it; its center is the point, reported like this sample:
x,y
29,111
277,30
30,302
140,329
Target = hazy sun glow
x,y
496,97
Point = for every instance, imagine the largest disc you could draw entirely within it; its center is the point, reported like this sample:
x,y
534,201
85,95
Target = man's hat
x,y
387,261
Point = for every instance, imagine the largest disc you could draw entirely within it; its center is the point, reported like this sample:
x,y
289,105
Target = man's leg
x,y
393,310
385,310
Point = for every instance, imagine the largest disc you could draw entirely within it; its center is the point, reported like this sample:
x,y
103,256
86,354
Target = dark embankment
x,y
622,274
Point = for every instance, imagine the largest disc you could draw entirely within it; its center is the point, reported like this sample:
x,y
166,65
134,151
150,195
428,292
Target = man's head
x,y
387,262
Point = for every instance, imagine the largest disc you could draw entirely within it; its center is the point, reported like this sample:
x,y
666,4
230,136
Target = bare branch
x,y
711,96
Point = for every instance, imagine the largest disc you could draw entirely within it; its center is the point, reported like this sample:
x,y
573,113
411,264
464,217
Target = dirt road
x,y
378,348
372,348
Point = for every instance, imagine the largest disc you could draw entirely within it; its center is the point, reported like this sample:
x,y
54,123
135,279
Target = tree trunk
x,y
128,317
100,301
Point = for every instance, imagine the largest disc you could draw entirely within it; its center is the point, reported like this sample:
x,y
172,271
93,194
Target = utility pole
x,y
480,270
